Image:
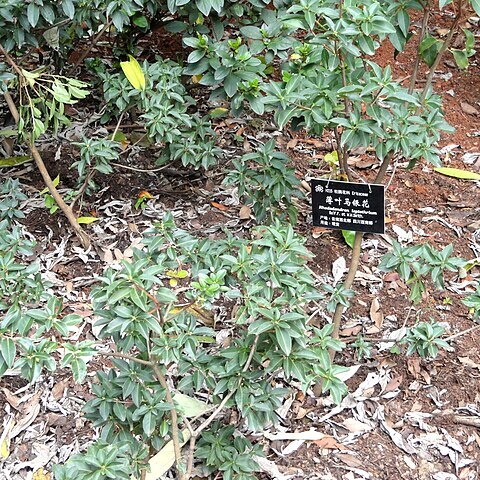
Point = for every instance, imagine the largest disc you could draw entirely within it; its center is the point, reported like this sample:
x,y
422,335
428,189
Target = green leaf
x,y
252,32
141,21
134,73
33,14
191,407
443,3
87,220
461,58
14,161
8,350
68,8
55,182
458,173
349,237
218,112
148,423
476,6
284,340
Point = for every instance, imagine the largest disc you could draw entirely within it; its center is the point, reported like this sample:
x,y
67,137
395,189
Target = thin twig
x,y
174,416
413,79
91,45
125,356
136,169
195,434
443,49
464,332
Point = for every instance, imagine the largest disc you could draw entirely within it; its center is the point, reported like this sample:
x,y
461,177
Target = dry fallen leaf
x,y
391,277
244,213
468,362
58,389
292,143
219,206
329,443
351,331
413,366
11,398
376,313
393,384
469,109
353,425
164,460
349,460
318,231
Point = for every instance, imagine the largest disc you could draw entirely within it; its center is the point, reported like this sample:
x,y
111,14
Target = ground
x,y
404,417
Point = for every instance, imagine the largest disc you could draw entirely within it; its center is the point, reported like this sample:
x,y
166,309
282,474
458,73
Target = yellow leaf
x,y
55,182
41,474
87,220
173,282
458,173
132,70
218,112
4,451
196,78
145,194
331,158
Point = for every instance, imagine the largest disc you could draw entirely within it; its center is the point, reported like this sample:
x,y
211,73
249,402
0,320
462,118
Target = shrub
x,y
267,182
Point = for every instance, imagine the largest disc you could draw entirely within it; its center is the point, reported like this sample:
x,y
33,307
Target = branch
x,y
91,45
67,211
209,420
357,248
413,79
173,414
442,50
125,356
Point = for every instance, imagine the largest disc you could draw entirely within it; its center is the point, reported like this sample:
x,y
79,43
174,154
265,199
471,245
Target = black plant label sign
x,y
348,206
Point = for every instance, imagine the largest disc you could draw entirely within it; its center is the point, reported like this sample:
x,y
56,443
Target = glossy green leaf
x,y
349,237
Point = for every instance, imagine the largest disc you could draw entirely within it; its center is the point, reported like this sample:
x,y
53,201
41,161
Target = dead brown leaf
x,y
420,189
469,109
292,143
318,231
376,313
244,213
58,389
413,366
351,331
329,443
353,425
391,277
11,398
393,384
468,362
349,460
219,206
